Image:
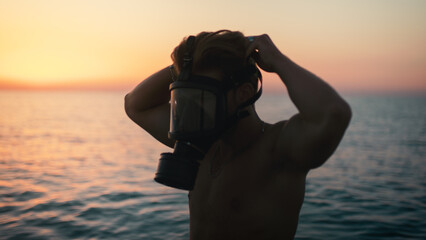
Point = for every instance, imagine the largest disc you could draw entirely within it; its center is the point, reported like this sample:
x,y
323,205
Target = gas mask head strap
x,y
187,59
242,77
256,96
240,112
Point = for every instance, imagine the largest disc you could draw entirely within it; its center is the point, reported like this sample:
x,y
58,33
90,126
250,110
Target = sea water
x,y
73,166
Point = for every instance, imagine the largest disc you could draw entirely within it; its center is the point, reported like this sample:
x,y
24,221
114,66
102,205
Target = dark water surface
x,y
72,166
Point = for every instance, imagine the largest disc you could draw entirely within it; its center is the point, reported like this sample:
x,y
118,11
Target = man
x,y
251,182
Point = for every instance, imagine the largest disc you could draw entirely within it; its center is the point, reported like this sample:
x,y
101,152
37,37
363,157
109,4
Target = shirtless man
x,y
251,182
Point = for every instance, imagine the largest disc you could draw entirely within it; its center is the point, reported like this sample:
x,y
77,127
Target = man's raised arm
x,y
311,136
148,105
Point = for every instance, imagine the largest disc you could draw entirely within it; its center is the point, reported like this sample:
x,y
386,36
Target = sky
x,y
358,45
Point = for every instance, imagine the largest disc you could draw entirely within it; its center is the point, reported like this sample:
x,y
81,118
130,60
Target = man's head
x,y
219,55
216,87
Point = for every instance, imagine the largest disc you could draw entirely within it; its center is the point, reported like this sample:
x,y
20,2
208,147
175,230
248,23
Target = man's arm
x,y
148,105
310,137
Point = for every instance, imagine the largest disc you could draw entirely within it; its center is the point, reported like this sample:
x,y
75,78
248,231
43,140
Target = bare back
x,y
246,195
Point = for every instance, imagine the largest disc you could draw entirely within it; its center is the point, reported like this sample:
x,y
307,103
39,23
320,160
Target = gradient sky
x,y
359,45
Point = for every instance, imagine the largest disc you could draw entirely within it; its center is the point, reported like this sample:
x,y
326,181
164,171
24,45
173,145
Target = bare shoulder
x,y
272,138
305,144
273,131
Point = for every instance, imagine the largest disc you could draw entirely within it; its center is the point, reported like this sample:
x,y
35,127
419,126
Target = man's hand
x,y
264,51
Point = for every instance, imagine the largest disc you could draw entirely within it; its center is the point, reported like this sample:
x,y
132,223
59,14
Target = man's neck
x,y
245,133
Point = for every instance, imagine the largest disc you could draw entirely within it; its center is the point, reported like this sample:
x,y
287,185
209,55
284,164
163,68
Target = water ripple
x,y
89,176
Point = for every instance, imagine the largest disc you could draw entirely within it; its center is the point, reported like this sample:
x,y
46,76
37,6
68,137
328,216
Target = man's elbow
x,y
128,106
341,113
346,112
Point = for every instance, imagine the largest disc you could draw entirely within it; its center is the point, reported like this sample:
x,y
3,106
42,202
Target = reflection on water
x,y
73,166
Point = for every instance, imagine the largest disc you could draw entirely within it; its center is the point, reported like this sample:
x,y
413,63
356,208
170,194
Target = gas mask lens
x,y
192,113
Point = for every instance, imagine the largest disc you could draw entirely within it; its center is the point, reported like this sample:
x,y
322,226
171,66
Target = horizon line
x,y
265,91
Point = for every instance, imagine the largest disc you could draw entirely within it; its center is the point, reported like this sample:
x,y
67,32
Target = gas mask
x,y
198,117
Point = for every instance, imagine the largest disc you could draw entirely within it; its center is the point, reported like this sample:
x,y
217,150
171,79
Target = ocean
x,y
73,166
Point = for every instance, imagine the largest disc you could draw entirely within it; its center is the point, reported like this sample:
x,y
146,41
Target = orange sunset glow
x,y
353,45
